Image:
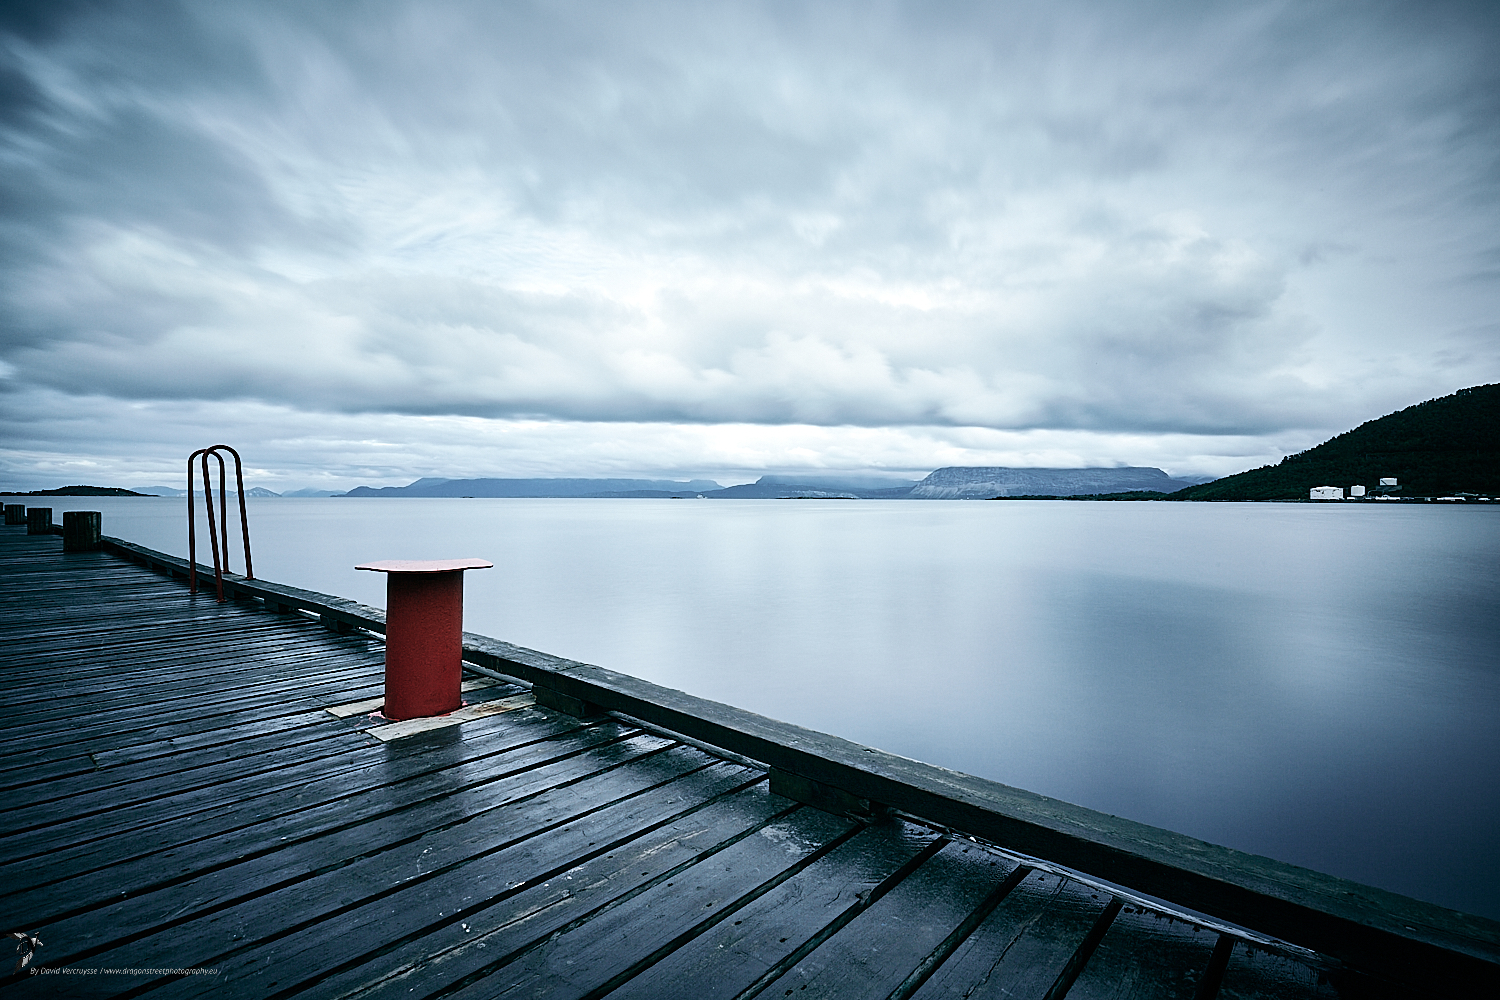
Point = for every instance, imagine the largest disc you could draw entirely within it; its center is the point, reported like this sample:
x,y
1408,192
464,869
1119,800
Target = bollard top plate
x,y
425,565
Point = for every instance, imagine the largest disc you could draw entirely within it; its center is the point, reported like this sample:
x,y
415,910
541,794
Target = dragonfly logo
x,y
26,944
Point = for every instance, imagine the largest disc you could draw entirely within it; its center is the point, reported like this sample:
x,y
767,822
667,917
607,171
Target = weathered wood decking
x,y
182,814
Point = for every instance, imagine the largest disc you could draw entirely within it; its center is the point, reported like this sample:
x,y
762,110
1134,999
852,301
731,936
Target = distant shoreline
x,y
109,491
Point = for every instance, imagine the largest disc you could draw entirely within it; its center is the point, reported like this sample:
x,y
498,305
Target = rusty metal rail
x,y
221,565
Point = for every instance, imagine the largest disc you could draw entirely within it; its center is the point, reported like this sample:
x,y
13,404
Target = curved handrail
x,y
221,562
192,521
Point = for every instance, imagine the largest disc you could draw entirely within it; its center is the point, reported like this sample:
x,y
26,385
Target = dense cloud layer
x,y
1161,234
62,440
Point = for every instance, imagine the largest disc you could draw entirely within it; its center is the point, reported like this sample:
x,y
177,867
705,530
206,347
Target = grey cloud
x,y
426,345
1004,216
55,439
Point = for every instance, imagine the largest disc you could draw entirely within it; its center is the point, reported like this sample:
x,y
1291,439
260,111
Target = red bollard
x,y
424,624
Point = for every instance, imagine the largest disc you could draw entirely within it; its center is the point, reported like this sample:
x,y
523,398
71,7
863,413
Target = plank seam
x,y
184,916
297,928
1069,974
581,919
459,915
1208,986
959,935
862,902
728,910
329,831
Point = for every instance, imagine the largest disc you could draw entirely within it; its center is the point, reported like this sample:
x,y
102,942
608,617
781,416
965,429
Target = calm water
x,y
1320,684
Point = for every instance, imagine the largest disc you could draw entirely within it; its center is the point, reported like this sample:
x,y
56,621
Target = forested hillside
x,y
1442,446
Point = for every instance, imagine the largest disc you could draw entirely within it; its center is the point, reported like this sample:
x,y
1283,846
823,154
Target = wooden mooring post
x,y
81,530
38,520
15,513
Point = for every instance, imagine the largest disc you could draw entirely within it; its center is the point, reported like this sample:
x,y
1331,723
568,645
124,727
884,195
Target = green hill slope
x,y
1442,446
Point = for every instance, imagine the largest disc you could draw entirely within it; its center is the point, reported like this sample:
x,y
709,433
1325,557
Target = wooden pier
x,y
197,801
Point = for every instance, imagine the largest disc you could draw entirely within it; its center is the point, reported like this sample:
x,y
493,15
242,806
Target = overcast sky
x,y
366,242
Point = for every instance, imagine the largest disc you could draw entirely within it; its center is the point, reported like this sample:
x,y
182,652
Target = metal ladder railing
x,y
220,566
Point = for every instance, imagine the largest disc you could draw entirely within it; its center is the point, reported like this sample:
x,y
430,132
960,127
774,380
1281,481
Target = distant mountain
x,y
984,482
762,490
1443,446
172,491
944,484
254,491
533,487
877,484
816,488
643,495
310,492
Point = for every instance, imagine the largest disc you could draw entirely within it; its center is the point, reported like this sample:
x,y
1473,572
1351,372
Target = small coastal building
x,y
1356,491
1326,493
1388,482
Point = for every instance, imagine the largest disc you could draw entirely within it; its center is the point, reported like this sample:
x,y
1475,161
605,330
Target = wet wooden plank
x,y
258,829
104,662
174,668
270,669
186,728
770,933
134,781
482,945
35,771
305,924
146,751
878,954
1256,973
586,956
102,929
162,623
459,875
95,646
39,831
279,696
1022,948
166,625
166,663
1146,955
228,733
320,673
594,928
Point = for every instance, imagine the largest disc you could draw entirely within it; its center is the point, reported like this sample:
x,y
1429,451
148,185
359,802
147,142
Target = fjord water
x,y
1319,684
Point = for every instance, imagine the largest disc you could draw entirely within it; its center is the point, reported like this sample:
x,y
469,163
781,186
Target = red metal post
x,y
220,553
239,479
192,529
208,503
424,624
